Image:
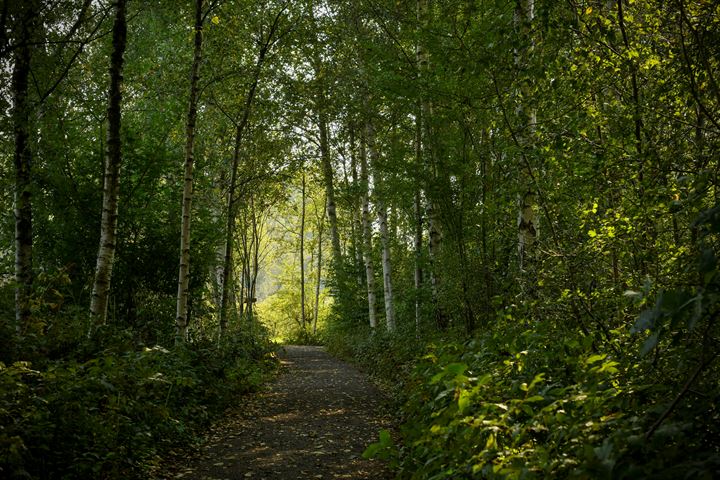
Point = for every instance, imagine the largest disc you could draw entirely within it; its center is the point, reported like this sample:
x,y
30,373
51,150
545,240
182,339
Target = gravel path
x,y
313,422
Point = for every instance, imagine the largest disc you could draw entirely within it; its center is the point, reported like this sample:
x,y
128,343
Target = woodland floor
x,y
314,421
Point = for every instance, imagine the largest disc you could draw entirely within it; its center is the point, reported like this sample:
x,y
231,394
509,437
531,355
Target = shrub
x,y
110,415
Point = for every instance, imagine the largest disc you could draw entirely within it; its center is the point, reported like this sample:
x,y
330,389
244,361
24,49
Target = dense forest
x,y
505,210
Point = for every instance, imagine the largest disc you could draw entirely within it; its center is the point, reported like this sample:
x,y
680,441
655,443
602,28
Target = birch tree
x,y
328,171
383,221
21,115
181,317
527,217
320,109
111,183
302,248
367,234
320,226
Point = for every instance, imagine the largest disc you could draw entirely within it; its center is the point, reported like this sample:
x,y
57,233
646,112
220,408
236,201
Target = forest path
x,y
314,421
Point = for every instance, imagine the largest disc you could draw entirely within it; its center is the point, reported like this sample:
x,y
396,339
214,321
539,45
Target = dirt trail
x,y
313,422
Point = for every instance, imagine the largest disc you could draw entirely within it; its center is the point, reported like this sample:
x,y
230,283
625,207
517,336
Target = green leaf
x,y
385,438
595,359
380,447
455,369
371,450
540,377
464,400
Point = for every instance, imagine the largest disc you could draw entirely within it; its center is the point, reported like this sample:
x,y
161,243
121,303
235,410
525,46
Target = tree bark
x,y
387,269
302,254
329,182
356,210
255,250
181,318
382,219
321,224
528,224
430,154
367,236
111,184
22,159
418,234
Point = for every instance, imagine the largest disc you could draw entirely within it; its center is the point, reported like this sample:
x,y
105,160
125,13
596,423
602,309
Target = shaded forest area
x,y
505,210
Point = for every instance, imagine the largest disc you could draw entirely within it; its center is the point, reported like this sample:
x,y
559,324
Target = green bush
x,y
109,416
511,404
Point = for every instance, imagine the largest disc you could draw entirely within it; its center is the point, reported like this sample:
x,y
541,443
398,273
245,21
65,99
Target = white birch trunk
x,y
367,236
527,217
302,254
418,277
382,219
356,210
23,159
181,317
111,184
387,269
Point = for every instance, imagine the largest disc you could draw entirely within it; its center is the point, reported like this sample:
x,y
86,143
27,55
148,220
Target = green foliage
x,y
510,404
605,112
111,416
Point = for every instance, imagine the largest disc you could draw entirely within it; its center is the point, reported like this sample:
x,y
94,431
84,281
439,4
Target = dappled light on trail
x,y
315,421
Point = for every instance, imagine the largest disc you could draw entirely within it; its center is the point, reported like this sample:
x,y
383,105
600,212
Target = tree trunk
x,y
255,250
356,211
367,235
527,218
382,219
321,224
418,277
302,254
22,159
329,184
111,184
387,268
181,318
430,154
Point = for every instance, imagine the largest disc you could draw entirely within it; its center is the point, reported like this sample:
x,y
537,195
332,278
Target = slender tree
x,y
367,234
111,184
528,224
21,115
302,249
431,158
383,221
328,173
181,317
320,228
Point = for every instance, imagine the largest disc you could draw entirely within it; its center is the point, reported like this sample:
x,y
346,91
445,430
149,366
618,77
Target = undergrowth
x,y
517,402
112,412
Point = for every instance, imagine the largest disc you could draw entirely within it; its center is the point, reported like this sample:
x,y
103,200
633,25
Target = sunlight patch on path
x,y
313,422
